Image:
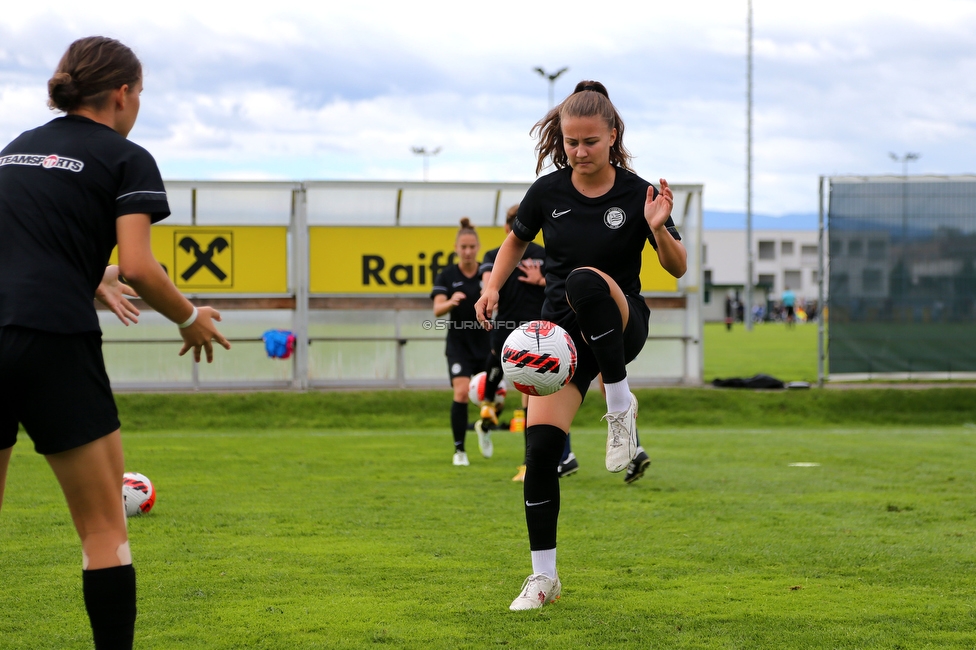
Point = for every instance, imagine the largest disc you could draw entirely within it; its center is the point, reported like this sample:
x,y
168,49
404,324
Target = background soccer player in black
x,y
69,192
456,289
519,301
595,215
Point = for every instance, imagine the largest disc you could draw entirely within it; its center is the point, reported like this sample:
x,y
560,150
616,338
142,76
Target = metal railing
x,y
299,205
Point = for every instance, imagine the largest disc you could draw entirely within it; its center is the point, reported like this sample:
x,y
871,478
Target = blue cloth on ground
x,y
279,344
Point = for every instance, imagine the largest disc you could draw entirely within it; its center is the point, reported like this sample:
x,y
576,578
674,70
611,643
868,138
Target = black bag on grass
x,y
756,381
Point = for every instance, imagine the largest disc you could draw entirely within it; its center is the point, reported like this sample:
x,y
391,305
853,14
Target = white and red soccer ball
x,y
138,494
539,358
476,390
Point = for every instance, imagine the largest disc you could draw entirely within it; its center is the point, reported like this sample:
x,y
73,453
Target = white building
x,y
782,258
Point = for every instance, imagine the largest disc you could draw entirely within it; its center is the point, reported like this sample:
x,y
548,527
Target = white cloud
x,y
343,90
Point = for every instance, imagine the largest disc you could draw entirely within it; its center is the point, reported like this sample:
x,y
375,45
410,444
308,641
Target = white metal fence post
x,y
301,266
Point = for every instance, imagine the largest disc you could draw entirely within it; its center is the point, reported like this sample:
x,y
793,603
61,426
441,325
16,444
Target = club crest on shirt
x,y
614,218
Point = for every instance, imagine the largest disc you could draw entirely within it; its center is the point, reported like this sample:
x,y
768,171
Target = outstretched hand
x,y
202,333
533,272
486,306
657,210
112,293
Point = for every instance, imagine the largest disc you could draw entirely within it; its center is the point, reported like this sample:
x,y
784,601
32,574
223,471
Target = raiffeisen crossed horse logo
x,y
204,259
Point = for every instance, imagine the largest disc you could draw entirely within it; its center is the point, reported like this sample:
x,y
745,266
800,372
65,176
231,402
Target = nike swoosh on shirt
x,y
599,336
556,215
457,284
537,504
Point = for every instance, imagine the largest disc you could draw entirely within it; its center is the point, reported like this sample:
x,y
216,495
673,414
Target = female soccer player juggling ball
x,y
70,191
595,215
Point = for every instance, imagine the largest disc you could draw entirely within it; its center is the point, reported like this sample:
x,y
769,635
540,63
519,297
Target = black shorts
x,y
56,386
635,336
464,366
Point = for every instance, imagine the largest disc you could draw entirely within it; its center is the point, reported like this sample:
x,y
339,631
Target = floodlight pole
x,y
747,312
552,83
911,156
821,294
422,151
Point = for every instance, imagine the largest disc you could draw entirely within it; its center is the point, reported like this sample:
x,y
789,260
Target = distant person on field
x,y
729,311
789,305
519,301
70,191
456,289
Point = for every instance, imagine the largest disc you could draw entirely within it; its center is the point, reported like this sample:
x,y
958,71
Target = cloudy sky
x,y
303,90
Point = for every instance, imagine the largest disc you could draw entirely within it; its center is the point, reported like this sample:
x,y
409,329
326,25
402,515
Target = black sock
x,y
493,376
459,423
600,322
110,598
567,449
544,446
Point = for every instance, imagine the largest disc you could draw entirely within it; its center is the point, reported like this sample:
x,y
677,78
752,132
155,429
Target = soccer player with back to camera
x,y
596,216
70,191
455,291
520,300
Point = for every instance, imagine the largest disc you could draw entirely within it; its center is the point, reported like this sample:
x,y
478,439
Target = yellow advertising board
x,y
364,260
223,259
653,277
406,259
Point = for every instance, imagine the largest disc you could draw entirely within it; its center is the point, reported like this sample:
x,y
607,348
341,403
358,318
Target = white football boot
x,y
537,590
484,439
621,437
460,459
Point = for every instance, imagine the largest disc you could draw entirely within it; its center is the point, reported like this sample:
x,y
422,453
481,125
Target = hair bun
x,y
466,223
63,92
594,86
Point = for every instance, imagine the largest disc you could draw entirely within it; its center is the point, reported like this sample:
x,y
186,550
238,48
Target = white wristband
x,y
189,321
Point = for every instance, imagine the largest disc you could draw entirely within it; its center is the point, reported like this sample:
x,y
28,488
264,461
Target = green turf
x,y
773,349
662,407
334,538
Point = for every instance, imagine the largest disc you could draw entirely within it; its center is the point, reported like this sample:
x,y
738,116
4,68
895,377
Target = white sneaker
x,y
484,440
621,437
537,590
460,459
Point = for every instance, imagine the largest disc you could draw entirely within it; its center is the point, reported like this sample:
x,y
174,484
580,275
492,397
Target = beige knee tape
x,y
123,552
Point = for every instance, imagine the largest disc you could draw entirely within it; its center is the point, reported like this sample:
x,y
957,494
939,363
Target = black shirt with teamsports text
x,y
518,301
465,338
606,232
62,186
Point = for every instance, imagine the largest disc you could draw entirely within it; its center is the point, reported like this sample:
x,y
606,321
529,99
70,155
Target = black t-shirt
x,y
606,232
62,186
518,301
466,337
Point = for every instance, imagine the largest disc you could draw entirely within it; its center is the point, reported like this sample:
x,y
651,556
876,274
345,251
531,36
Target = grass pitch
x,y
773,349
337,538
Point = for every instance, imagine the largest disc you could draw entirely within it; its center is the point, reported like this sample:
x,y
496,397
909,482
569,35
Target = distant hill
x,y
717,220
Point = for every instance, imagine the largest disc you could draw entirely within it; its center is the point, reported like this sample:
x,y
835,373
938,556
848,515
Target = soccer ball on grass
x,y
138,494
476,391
